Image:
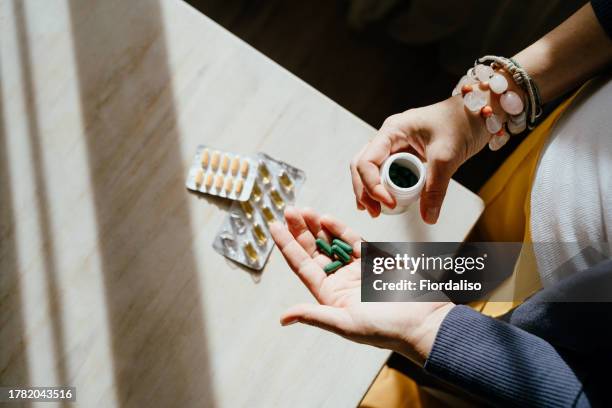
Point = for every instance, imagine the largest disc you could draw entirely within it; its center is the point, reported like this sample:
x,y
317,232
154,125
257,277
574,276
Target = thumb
x,y
329,318
439,173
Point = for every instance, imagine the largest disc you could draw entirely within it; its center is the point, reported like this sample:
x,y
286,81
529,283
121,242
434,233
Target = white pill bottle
x,y
404,196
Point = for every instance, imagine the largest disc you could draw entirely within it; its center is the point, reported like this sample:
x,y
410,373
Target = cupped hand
x,y
445,135
407,328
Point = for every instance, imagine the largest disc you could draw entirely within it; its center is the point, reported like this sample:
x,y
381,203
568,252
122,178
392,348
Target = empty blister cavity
x,y
276,198
259,234
238,223
250,252
285,181
228,241
264,173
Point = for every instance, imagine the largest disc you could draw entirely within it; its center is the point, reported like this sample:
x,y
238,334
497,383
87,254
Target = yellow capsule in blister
x,y
256,193
229,184
264,173
247,208
239,185
250,252
219,182
285,181
244,168
225,163
199,177
276,198
259,234
205,158
235,165
268,214
209,180
214,161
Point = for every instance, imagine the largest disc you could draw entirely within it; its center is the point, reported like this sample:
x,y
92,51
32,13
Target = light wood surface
x,y
108,279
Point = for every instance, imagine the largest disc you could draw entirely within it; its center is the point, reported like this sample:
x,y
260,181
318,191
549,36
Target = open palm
x,y
403,327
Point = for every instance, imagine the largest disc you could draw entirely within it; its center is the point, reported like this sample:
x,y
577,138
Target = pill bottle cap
x,y
404,196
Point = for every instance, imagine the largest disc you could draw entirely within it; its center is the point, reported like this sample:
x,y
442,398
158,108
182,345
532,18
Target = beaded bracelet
x,y
523,80
487,79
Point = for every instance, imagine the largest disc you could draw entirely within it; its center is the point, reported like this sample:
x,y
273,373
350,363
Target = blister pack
x,y
222,174
244,236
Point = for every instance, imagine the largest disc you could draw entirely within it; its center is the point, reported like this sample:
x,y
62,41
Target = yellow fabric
x,y
505,219
392,389
506,216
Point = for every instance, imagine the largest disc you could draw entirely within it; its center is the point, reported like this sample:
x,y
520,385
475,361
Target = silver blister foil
x,y
244,236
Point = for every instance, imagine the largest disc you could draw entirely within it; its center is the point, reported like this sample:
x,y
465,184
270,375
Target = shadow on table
x,y
16,371
152,288
13,364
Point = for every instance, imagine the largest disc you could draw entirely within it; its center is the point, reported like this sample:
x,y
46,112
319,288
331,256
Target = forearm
x,y
501,363
570,54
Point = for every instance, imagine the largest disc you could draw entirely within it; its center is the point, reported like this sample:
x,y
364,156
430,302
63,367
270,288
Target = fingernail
x,y
432,214
273,226
384,196
289,322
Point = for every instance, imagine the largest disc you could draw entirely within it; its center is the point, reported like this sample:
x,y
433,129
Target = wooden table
x,y
108,279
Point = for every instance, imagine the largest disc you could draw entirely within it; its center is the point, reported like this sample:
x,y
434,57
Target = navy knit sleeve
x,y
502,363
603,11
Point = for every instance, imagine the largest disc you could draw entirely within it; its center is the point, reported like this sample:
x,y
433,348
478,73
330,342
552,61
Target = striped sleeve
x,y
502,363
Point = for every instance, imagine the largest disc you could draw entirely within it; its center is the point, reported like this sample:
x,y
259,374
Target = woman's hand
x,y
407,328
444,134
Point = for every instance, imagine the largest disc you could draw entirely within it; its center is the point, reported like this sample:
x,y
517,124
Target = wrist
x,y
502,93
418,344
470,132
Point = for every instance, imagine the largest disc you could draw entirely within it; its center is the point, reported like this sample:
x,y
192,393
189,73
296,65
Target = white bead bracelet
x,y
476,86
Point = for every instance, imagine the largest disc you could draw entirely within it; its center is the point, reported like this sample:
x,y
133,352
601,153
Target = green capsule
x,y
346,247
332,267
341,254
324,246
